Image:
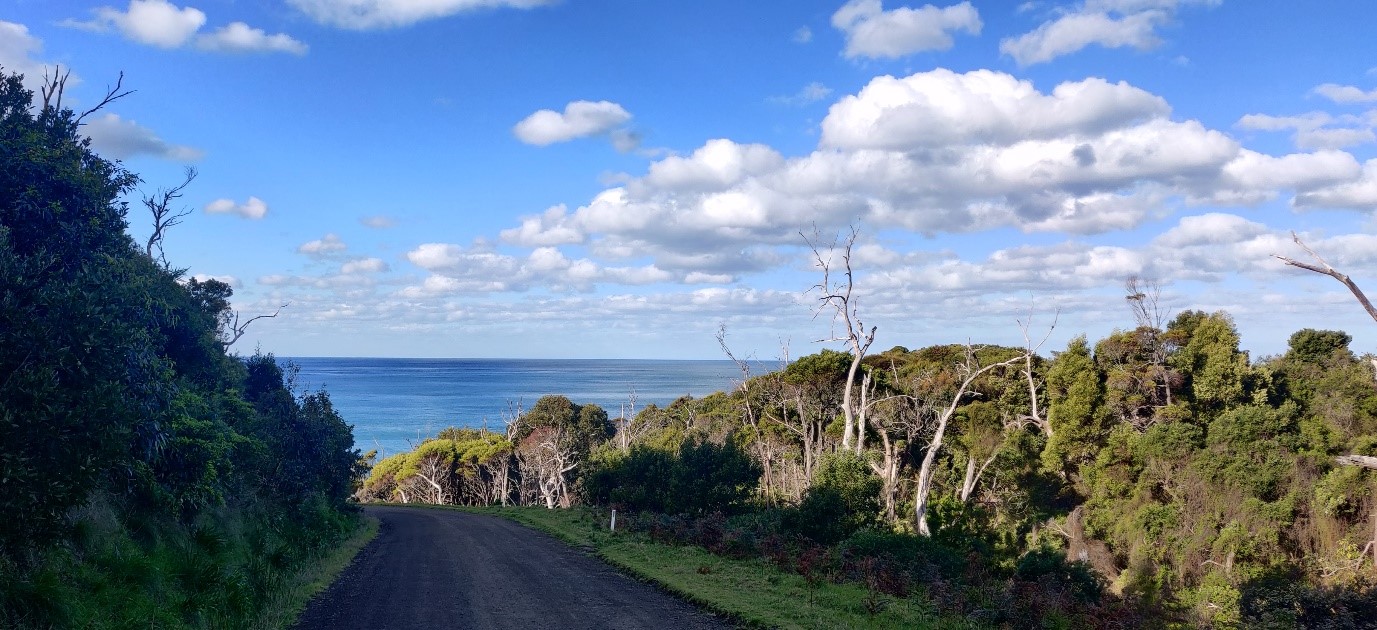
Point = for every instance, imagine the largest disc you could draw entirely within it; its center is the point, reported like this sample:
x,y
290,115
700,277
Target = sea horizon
x,y
394,403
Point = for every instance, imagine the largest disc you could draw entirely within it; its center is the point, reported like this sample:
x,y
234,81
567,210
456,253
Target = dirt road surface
x,y
431,569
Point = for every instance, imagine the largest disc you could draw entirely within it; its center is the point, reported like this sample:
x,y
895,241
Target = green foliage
x,y
587,424
842,500
72,340
1318,346
117,390
700,477
1217,370
1075,395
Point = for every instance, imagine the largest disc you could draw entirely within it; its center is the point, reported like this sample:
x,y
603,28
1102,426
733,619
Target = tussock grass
x,y
228,569
315,577
750,592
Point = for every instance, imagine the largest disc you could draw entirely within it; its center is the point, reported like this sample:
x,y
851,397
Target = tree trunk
x,y
888,471
973,475
920,499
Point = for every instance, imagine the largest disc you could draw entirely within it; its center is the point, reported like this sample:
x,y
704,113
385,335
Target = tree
x,y
1324,268
165,216
554,437
1075,398
941,394
838,296
72,323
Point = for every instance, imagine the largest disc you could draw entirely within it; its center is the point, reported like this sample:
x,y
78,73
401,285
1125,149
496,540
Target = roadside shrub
x,y
700,478
842,500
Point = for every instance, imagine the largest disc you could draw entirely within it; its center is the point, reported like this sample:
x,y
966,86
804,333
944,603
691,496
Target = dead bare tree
x,y
1035,414
625,420
1325,269
235,330
840,299
1144,297
55,84
943,406
165,216
551,457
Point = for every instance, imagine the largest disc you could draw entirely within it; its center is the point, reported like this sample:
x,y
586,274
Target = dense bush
x,y
842,499
128,435
701,477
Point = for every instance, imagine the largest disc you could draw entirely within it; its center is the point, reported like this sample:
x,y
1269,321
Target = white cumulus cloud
x,y
165,25
239,37
873,32
254,208
363,265
580,119
1346,93
17,50
154,22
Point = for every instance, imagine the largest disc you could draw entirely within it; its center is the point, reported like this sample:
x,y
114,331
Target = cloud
x,y
803,35
1105,23
162,24
17,50
372,14
239,37
811,93
937,152
153,22
379,222
478,269
543,230
941,107
326,246
580,119
253,209
1315,130
122,139
363,265
875,33
1357,194
1346,93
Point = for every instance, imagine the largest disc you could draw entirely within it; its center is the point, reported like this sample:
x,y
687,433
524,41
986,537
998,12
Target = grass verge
x,y
282,611
751,592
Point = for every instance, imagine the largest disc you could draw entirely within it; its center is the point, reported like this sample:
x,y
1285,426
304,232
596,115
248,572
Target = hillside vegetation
x,y
148,478
1158,476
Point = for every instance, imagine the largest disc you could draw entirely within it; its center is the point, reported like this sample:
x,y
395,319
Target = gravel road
x,y
430,569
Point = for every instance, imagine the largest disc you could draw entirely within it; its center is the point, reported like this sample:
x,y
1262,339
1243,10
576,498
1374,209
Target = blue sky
x,y
618,178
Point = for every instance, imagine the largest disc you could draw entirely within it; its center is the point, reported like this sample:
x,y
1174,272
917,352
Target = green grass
x,y
750,592
230,569
315,577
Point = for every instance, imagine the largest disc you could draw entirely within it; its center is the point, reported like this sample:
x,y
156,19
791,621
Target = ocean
x,y
394,403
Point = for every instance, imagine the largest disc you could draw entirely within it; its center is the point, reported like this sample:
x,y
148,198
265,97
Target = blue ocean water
x,y
394,403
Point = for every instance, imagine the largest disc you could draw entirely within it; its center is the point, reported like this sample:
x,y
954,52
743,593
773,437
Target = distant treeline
x,y
147,477
1182,481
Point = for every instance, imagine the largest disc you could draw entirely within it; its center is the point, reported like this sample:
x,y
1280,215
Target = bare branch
x,y
164,217
111,95
53,87
1325,269
1035,414
237,330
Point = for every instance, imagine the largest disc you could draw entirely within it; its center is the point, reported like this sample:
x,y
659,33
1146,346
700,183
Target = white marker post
x,y
613,526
